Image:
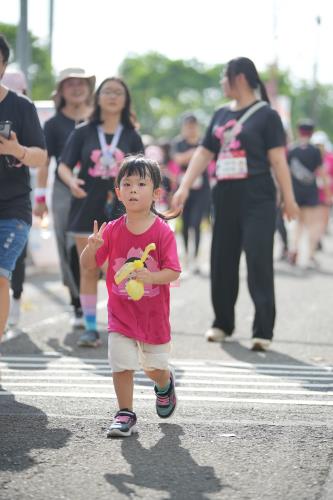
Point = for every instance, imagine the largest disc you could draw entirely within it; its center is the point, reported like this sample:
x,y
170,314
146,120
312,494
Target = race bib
x,y
231,165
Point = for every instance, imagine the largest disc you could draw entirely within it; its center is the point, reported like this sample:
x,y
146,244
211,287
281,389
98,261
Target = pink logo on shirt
x,y
98,170
150,264
227,139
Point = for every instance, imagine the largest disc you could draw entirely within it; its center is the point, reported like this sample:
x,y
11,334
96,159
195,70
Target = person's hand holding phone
x,y
9,144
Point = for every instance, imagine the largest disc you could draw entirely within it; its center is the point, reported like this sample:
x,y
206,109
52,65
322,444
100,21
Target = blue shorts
x,y
13,237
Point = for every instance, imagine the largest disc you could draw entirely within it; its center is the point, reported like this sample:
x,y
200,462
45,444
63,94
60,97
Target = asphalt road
x,y
248,426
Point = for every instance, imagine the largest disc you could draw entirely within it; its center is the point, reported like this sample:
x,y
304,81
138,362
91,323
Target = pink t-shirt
x,y
328,166
147,319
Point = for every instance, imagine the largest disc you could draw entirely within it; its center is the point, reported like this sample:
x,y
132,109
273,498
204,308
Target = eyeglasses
x,y
114,93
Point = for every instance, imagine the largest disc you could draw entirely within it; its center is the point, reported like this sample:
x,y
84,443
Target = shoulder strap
x,y
251,111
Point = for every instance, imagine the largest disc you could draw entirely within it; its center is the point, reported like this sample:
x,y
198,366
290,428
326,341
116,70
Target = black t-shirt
x,y
303,161
83,147
57,130
15,181
261,132
181,146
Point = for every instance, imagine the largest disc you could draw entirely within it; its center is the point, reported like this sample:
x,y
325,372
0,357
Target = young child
x,y
139,328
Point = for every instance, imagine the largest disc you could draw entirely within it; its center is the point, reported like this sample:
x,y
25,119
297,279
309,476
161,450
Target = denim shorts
x,y
13,237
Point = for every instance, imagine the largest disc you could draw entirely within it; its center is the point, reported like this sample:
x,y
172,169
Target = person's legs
x,y
225,255
17,281
4,303
13,237
313,223
154,359
88,297
124,360
258,240
61,200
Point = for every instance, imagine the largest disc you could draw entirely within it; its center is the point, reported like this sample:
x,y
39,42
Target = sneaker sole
x,y
89,344
119,433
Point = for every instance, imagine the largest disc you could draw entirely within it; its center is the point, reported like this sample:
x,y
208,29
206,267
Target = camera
x,y
5,129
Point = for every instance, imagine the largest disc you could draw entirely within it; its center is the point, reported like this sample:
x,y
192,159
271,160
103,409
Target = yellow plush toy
x,y
134,288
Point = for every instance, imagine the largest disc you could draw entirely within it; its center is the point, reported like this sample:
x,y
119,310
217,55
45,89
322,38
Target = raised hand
x,y
95,240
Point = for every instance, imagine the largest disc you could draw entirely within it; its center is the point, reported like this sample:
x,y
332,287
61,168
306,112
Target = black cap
x,y
306,124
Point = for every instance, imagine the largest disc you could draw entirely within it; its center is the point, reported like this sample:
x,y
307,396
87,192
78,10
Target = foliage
x,y
40,72
163,89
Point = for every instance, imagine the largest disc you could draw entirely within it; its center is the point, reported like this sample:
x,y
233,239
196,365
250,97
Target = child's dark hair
x,y
142,166
4,48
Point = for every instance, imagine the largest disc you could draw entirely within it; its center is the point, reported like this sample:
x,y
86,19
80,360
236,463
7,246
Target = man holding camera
x,y
21,146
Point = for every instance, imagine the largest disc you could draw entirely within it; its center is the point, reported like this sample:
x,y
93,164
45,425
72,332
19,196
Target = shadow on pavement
x,y
24,428
241,353
166,467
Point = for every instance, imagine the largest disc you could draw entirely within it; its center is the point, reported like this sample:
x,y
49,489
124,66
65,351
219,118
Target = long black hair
x,y
247,68
127,118
144,167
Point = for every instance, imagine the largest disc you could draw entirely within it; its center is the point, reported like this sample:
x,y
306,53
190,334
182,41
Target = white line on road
x,y
305,402
192,389
56,357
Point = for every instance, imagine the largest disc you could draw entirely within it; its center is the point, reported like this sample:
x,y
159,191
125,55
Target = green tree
x,y
163,89
40,71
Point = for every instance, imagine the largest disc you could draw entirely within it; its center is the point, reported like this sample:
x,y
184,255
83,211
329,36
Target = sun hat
x,y
67,73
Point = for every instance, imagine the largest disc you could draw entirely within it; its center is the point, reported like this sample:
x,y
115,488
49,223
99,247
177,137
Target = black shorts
x,y
306,196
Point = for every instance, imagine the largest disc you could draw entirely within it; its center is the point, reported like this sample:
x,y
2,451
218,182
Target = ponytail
x,y
263,91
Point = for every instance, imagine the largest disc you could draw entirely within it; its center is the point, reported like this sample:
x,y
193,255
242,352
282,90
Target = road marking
x,y
197,380
212,399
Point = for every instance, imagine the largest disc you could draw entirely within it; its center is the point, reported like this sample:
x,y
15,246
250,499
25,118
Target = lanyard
x,y
109,150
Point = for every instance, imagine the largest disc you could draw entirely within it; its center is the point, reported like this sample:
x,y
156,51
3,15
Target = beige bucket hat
x,y
67,73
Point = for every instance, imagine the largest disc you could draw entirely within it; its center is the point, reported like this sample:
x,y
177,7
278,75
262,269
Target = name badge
x,y
231,165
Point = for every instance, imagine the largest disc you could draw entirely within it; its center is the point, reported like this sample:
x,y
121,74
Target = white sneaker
x,y
215,335
260,344
14,312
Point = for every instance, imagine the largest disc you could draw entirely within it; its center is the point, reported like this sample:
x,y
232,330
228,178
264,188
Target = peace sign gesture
x,y
95,240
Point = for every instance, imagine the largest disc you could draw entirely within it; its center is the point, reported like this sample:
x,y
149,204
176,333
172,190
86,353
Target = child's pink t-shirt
x,y
147,319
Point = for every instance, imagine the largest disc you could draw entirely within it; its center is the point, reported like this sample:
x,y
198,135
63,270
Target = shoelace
x,y
163,400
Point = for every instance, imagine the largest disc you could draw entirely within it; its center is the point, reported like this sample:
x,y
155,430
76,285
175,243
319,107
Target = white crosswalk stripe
x,y
197,380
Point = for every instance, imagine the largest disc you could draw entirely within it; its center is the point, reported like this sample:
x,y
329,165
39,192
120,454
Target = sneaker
x,y
14,312
215,335
124,424
77,320
166,402
89,338
260,345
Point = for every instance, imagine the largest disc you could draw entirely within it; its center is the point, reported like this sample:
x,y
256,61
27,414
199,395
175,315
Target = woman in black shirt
x,y
246,138
73,104
98,146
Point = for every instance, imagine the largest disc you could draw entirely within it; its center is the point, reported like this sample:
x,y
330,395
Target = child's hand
x,y
145,276
95,240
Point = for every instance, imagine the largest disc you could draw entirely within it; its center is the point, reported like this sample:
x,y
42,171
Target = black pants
x,y
18,275
194,210
244,219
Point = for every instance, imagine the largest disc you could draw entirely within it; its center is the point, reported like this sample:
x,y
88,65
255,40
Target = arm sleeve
x,y
274,134
169,255
71,154
49,132
31,131
210,141
103,252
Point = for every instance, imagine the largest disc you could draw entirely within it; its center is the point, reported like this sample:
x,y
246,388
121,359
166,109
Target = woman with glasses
x,y
247,139
98,146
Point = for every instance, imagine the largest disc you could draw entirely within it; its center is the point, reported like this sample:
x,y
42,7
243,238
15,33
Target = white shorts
x,y
130,354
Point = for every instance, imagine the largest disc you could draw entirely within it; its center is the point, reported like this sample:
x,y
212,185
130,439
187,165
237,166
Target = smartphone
x,y
5,129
